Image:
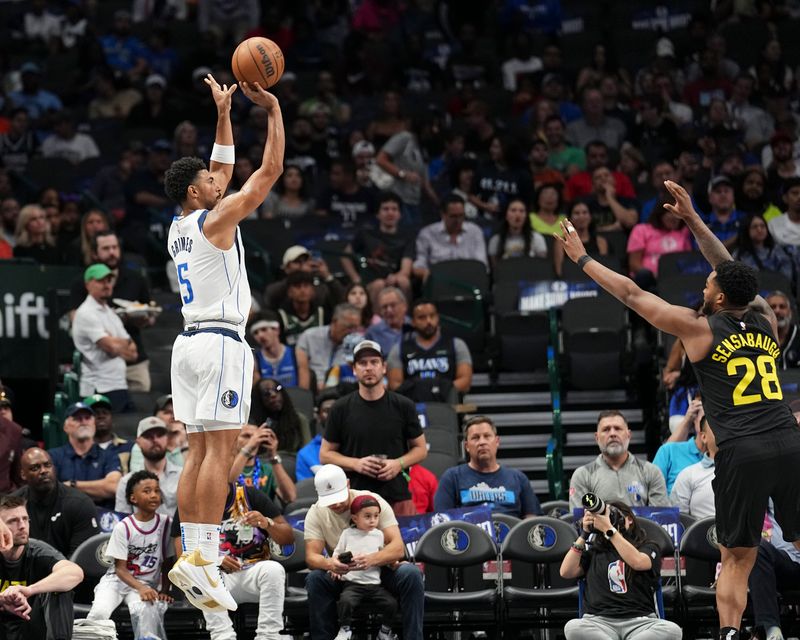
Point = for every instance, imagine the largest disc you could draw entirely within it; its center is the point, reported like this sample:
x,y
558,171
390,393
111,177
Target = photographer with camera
x,y
621,567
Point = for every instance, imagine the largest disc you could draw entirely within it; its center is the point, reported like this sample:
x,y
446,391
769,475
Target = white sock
x,y
209,542
189,536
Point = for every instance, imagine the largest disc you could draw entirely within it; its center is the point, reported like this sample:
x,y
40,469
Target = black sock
x,y
728,633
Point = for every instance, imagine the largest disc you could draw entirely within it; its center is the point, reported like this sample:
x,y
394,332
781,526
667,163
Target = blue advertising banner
x,y
551,294
668,517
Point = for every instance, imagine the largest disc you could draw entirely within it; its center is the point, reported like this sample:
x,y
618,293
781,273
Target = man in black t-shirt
x,y
374,434
59,515
36,582
610,212
622,570
251,526
344,202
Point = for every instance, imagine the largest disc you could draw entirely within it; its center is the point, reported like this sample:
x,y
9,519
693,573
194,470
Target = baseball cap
x,y
717,181
162,401
331,485
367,347
363,146
200,72
97,399
665,48
30,67
96,271
155,79
162,144
293,253
362,502
150,423
75,407
552,77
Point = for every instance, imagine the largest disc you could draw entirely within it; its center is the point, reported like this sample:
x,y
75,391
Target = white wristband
x,y
224,153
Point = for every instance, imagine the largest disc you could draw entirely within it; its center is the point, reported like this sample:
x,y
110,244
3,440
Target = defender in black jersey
x,y
733,348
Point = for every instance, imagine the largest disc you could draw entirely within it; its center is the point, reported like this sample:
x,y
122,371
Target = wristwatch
x,y
401,174
276,459
73,484
610,533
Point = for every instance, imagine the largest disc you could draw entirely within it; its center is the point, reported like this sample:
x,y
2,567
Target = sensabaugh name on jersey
x,y
181,243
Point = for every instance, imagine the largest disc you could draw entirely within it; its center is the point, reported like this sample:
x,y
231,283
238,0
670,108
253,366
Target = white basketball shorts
x,y
212,376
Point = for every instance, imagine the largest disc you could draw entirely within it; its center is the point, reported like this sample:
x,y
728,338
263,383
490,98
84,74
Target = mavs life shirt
x,y
738,379
505,491
615,590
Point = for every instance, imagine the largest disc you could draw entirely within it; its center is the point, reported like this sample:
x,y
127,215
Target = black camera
x,y
595,504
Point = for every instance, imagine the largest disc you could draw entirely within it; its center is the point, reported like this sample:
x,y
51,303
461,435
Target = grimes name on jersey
x,y
182,243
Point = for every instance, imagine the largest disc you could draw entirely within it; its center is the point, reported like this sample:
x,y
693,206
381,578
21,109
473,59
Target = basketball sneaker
x,y
202,583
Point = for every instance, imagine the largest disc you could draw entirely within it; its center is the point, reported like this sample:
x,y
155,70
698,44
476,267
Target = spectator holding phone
x,y
257,463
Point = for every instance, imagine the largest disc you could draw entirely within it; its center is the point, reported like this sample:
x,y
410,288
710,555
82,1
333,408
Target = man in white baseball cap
x,y
328,290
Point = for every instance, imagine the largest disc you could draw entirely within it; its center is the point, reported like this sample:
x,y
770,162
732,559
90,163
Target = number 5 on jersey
x,y
183,279
770,385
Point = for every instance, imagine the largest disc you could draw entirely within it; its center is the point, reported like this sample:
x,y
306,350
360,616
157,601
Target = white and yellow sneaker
x,y
202,583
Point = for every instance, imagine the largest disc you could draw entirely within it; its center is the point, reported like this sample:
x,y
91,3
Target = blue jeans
x,y
405,583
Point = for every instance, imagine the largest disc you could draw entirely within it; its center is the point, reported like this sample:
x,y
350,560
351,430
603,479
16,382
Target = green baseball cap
x,y
97,399
96,272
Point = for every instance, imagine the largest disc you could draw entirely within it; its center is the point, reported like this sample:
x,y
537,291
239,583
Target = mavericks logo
x,y
229,399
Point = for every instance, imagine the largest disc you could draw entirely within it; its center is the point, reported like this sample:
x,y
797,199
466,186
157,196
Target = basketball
x,y
258,60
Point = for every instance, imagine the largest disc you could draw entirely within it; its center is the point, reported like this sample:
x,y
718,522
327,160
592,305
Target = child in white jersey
x,y
139,545
364,586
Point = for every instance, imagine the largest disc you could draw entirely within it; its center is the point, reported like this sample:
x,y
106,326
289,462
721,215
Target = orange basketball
x,y
258,60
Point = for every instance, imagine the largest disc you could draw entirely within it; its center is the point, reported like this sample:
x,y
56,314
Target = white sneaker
x,y
344,634
202,583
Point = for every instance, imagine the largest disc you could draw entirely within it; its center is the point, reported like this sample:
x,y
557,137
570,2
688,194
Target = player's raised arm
x,y
236,207
222,155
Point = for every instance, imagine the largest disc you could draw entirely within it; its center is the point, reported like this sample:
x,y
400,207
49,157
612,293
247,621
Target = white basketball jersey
x,y
144,546
213,283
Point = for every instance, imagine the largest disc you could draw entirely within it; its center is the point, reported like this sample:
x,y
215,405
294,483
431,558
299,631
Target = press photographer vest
x,y
439,361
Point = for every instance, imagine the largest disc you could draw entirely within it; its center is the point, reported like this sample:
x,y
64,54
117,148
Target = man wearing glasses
x,y
273,358
104,344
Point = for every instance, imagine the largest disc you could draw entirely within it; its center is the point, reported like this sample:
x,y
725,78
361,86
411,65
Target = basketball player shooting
x,y
732,348
212,364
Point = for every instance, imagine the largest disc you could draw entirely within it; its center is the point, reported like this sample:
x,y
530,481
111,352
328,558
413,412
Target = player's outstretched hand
x,y
570,240
222,93
260,97
683,203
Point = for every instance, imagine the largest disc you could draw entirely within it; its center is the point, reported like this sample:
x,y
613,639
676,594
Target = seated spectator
x,y
273,405
308,462
547,216
450,239
19,144
663,233
595,124
693,492
38,102
537,165
723,219
67,142
151,437
656,134
785,228
274,359
788,332
328,291
59,515
516,238
250,525
463,186
711,81
384,254
483,479
92,223
111,101
662,171
104,344
33,238
324,524
617,474
9,211
609,211
124,52
300,311
583,223
781,162
756,247
81,463
579,185
345,204
562,157
622,569
177,443
104,430
290,198
257,463
38,602
319,348
343,376
423,486
139,548
680,450
427,360
356,294
394,324
499,179
753,197
777,568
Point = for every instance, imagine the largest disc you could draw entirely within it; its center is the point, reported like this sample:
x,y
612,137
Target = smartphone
x,y
346,557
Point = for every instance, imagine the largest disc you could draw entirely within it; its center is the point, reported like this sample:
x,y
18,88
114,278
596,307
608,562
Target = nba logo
x,y
616,577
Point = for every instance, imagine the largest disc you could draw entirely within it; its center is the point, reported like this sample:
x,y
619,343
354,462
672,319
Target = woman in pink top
x,y
662,233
